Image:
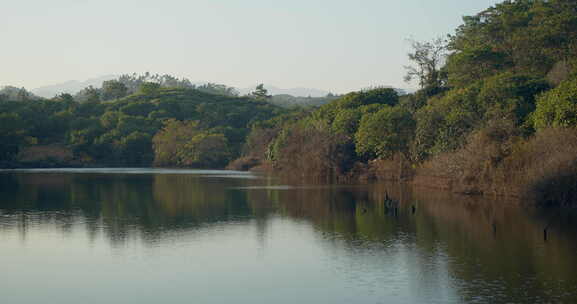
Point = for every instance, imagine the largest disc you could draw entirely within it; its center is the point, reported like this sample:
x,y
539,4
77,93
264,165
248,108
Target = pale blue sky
x,y
328,44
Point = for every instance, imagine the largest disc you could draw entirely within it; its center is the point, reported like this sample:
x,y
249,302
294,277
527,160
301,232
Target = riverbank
x,y
541,169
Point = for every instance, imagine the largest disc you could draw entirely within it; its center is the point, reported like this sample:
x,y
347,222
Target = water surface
x,y
192,236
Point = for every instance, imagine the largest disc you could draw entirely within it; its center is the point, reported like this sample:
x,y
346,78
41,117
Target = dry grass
x,y
244,163
497,161
315,155
44,153
544,168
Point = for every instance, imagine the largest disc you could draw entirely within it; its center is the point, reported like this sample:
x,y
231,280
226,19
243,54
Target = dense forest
x,y
168,126
496,112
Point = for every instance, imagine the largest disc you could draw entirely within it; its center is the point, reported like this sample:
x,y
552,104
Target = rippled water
x,y
193,236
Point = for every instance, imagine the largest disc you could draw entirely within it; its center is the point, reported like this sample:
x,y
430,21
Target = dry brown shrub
x,y
254,150
314,154
257,142
541,169
44,153
544,168
559,72
397,168
473,167
243,163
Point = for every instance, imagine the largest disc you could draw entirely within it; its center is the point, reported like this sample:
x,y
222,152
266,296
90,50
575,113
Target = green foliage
x,y
384,133
136,148
205,150
88,94
113,89
121,131
217,89
472,64
289,101
12,132
347,121
183,143
510,96
346,110
558,107
385,96
149,88
138,108
109,119
136,83
260,93
444,122
10,93
525,35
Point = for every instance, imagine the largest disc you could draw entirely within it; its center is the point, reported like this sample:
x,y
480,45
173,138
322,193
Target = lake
x,y
194,236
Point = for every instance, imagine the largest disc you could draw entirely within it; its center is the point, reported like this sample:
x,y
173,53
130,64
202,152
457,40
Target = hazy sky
x,y
335,45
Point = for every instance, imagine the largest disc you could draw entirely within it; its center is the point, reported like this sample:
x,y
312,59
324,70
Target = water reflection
x,y
383,243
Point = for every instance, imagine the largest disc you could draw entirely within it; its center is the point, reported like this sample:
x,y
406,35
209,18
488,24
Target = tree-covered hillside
x,y
122,131
496,112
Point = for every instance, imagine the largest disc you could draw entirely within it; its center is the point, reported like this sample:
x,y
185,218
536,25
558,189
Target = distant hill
x,y
296,92
308,92
74,86
71,86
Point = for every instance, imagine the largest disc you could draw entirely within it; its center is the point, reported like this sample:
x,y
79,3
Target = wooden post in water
x,y
494,229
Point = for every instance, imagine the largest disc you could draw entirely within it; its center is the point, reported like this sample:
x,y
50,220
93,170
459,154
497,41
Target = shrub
x,y
544,168
384,133
445,122
558,107
473,167
312,152
496,160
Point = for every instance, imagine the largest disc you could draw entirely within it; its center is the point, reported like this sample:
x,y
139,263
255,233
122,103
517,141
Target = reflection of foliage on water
x,y
483,246
490,247
123,205
342,211
496,242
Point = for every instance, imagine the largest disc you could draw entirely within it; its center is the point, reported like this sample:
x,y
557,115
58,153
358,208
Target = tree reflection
x,y
490,248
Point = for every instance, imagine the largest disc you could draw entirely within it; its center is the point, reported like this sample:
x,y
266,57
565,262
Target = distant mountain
x,y
309,92
296,92
74,86
71,87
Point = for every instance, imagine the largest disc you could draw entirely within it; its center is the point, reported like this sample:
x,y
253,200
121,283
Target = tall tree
x,y
260,93
427,58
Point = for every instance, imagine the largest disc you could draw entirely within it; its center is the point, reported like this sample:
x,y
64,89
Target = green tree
x,y
347,121
510,96
427,58
136,148
443,124
113,89
88,94
171,139
558,107
384,133
12,135
149,88
260,93
205,150
475,63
